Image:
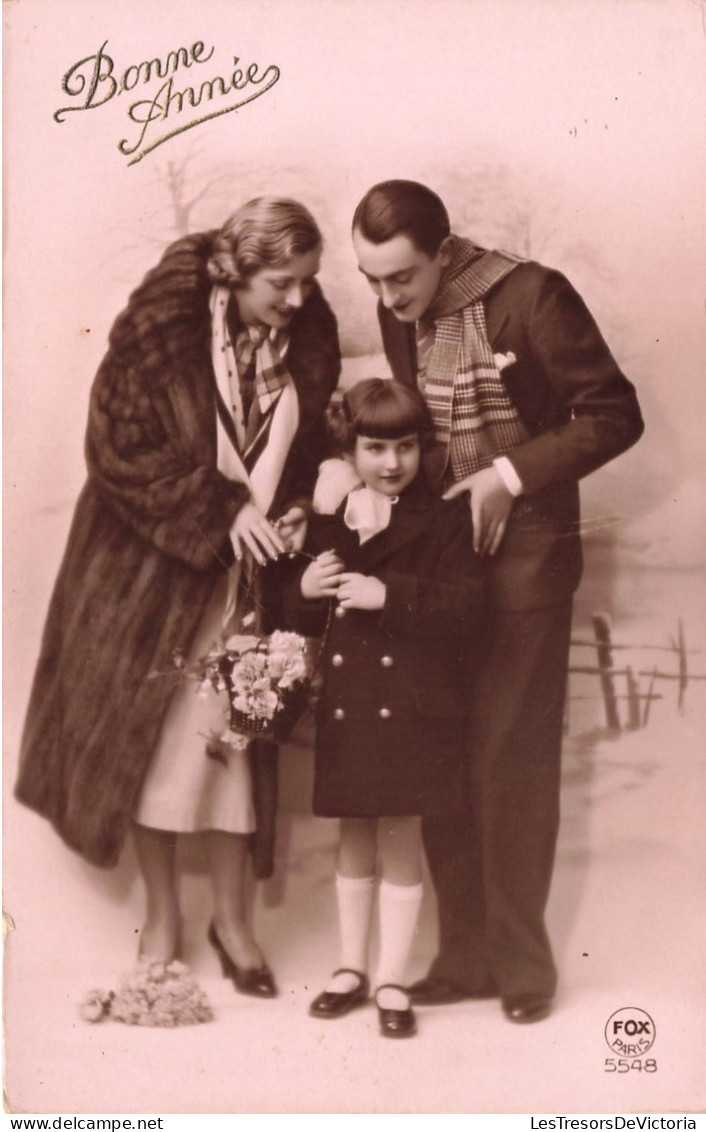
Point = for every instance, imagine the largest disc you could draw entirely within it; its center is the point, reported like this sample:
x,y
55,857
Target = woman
x,y
205,428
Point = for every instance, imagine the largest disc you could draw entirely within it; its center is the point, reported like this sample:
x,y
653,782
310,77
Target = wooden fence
x,y
625,685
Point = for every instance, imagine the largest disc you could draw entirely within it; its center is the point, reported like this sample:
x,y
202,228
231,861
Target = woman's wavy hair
x,y
265,232
380,408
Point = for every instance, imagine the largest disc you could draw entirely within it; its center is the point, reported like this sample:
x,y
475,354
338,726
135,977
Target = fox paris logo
x,y
630,1032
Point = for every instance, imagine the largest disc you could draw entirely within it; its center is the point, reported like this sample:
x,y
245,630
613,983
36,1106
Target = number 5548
x,y
623,1065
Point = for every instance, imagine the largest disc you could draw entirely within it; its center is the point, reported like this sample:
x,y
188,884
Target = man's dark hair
x,y
405,208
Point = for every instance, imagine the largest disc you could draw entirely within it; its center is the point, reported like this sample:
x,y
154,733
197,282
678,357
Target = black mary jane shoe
x,y
334,1004
523,1008
257,981
395,1023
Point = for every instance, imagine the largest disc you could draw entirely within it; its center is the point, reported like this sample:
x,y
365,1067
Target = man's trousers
x,y
492,868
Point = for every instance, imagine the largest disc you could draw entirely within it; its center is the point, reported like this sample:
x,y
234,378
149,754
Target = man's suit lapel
x,y
400,347
497,318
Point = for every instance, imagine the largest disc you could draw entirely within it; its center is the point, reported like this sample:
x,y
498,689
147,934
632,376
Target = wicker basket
x,y
294,703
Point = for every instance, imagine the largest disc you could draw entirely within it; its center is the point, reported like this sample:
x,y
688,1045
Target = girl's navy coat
x,y
390,734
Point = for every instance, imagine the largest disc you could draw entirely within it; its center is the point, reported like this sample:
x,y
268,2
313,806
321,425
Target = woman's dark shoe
x,y
257,981
395,1023
333,1004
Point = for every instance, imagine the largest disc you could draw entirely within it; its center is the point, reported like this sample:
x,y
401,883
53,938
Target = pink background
x,y
566,130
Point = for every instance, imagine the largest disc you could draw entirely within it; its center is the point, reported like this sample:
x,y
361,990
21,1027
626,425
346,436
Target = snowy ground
x,y
626,917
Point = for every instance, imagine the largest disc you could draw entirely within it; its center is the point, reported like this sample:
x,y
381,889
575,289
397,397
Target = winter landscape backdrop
x,y
570,133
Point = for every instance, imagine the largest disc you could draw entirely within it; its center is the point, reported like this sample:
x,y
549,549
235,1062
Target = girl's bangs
x,y
388,418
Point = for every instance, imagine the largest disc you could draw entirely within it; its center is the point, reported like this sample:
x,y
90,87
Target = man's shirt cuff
x,y
509,476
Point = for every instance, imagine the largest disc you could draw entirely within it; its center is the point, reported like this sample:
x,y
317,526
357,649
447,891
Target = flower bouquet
x,y
265,681
153,994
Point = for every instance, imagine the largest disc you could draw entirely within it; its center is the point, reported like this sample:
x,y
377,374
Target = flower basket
x,y
265,683
292,705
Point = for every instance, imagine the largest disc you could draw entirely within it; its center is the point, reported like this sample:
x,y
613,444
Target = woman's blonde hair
x,y
265,232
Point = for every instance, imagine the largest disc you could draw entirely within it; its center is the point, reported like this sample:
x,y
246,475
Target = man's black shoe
x,y
526,1007
437,991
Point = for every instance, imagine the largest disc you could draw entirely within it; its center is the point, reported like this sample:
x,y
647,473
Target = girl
x,y
205,426
399,566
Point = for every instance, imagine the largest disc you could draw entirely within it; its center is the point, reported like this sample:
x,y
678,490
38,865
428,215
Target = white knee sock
x,y
355,896
399,912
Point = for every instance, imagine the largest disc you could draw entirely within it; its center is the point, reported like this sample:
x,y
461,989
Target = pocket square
x,y
502,361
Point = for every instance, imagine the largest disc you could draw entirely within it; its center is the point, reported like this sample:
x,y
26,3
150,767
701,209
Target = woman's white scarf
x,y
279,415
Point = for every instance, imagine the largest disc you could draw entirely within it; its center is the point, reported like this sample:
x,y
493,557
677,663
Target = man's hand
x,y
491,504
291,528
321,577
361,591
253,531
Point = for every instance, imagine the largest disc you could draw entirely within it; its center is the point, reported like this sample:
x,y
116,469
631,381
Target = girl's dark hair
x,y
406,208
380,408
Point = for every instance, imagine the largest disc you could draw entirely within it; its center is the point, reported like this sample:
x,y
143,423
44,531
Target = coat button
x,y
337,660
339,713
340,611
386,661
384,713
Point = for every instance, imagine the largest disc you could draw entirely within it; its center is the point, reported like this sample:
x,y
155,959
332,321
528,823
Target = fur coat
x,y
149,540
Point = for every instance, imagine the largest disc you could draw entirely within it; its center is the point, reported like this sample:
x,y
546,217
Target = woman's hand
x,y
361,591
253,531
320,579
291,528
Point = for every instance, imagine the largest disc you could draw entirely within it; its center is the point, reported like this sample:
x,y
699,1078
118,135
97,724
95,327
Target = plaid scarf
x,y
474,418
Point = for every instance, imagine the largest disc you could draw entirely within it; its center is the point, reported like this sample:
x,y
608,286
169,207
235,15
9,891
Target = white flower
x,y
281,641
95,1005
240,643
235,740
176,968
286,670
287,658
250,668
258,703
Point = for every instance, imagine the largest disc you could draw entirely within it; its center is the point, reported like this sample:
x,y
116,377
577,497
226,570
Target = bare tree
x,y
188,183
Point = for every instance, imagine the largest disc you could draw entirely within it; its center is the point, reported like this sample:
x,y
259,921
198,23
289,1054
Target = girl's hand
x,y
361,591
320,579
253,531
291,528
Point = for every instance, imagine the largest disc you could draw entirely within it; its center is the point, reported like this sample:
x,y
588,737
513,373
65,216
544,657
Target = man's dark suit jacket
x,y
578,408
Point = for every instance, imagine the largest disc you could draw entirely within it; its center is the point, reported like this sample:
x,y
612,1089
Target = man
x,y
526,399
